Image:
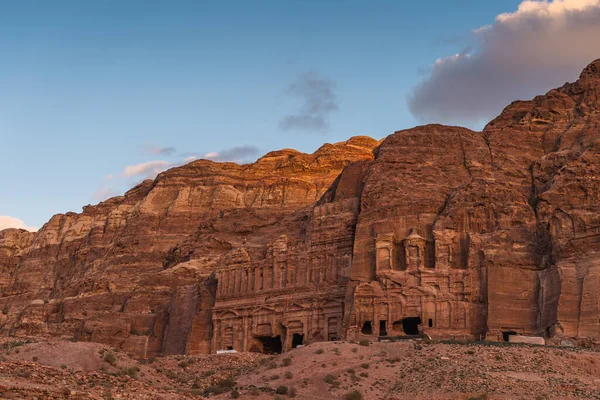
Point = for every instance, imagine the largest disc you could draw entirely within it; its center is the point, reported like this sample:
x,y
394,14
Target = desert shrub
x,y
220,387
14,343
353,395
480,397
364,342
364,365
293,392
110,358
336,351
24,374
355,350
288,375
275,377
287,362
319,351
329,379
264,361
131,372
282,390
235,394
35,358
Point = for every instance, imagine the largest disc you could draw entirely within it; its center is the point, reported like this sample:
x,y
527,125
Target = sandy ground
x,y
332,370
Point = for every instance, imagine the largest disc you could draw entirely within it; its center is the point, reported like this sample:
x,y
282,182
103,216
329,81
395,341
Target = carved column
x,y
219,283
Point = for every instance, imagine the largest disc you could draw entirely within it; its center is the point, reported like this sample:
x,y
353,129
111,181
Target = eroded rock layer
x,y
437,230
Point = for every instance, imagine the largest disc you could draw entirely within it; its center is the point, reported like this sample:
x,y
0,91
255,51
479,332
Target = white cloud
x,y
147,169
528,52
189,159
12,222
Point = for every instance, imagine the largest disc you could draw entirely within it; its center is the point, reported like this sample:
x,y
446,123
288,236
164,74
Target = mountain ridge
x,y
468,233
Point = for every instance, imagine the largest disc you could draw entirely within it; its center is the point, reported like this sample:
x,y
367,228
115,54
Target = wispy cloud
x,y
105,193
319,101
12,222
151,148
163,151
522,54
239,154
147,169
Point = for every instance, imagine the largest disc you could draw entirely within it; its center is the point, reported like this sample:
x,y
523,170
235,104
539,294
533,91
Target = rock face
x,y
438,230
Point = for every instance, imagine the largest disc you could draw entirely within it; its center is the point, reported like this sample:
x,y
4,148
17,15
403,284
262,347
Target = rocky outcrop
x,y
438,230
135,271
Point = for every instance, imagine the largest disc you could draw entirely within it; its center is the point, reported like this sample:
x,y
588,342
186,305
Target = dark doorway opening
x,y
271,345
411,325
430,323
367,329
229,347
297,340
382,328
506,334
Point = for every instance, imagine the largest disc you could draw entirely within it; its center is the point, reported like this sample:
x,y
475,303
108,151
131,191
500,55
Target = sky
x,y
97,96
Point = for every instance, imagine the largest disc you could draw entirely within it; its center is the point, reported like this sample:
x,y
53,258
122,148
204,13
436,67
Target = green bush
x,y
364,342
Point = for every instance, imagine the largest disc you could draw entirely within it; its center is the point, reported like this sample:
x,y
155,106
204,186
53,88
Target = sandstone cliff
x,y
132,271
438,230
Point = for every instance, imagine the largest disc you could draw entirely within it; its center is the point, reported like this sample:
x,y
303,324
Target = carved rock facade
x,y
437,230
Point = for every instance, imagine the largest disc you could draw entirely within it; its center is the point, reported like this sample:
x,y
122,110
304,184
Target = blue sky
x,y
89,88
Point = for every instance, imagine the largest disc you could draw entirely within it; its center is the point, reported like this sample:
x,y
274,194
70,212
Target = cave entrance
x,y
270,345
410,325
367,329
507,334
383,328
297,340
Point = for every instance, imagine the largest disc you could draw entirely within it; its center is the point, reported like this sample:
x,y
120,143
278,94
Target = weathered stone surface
x,y
135,271
437,230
